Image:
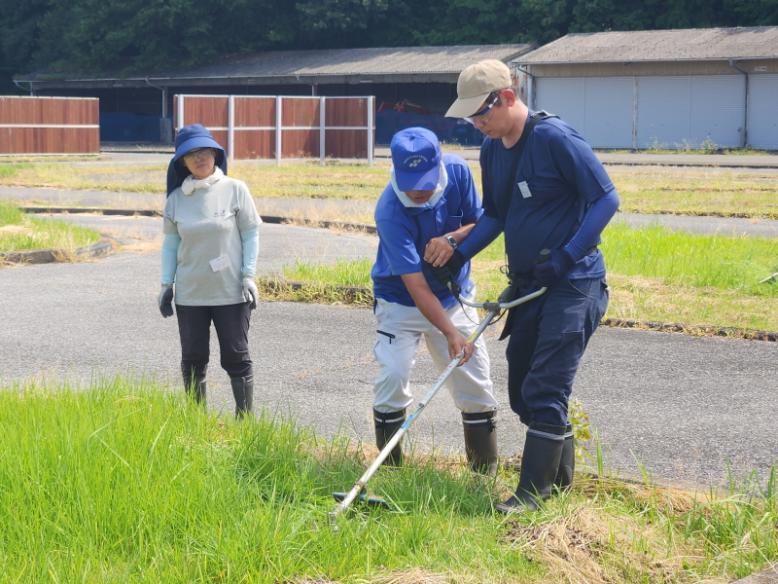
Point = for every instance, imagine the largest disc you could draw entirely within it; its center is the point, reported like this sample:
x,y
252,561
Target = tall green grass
x,y
122,482
683,259
129,484
340,273
18,232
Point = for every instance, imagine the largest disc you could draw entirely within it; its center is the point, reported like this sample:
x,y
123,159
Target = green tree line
x,y
92,36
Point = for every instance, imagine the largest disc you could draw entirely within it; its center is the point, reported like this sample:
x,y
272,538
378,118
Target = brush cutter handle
x,y
503,305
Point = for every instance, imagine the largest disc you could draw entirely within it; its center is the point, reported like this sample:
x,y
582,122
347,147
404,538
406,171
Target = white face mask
x,y
408,202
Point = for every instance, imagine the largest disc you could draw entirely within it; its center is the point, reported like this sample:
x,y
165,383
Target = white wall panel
x,y
671,111
664,111
562,96
718,110
608,112
685,111
763,112
599,108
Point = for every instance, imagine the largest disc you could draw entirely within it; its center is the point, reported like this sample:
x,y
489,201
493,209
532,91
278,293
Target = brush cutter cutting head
x,y
363,498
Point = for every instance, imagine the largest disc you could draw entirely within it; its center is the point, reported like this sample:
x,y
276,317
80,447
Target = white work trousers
x,y
399,331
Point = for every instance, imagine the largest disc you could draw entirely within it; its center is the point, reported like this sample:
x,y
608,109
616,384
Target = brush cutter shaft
x,y
504,305
494,308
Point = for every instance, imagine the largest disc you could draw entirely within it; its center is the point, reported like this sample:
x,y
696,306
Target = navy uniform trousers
x,y
548,336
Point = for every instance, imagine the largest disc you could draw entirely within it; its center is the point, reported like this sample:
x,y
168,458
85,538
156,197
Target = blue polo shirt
x,y
540,190
404,232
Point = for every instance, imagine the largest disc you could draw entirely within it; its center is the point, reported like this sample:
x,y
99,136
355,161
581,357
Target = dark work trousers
x,y
232,328
548,338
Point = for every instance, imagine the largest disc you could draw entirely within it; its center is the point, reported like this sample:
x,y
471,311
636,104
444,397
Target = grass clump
x,y
655,275
124,482
19,232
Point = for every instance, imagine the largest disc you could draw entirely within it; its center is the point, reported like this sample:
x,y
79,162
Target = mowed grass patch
x,y
122,481
19,232
643,189
655,275
140,178
697,191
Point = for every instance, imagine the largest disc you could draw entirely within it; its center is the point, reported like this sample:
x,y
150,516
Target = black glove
x,y
165,301
447,273
553,269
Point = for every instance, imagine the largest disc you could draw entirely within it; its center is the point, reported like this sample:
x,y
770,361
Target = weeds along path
x,y
688,409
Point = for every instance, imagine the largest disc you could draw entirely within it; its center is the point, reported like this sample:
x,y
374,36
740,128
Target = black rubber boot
x,y
481,441
194,385
386,424
564,476
243,391
539,466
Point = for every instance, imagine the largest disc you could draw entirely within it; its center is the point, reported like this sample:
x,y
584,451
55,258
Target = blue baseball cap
x,y
416,159
192,137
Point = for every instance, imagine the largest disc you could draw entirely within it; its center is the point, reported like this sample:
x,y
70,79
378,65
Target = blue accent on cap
x,y
416,159
193,137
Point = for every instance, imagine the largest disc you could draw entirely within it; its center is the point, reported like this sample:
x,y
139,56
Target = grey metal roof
x,y
695,44
383,64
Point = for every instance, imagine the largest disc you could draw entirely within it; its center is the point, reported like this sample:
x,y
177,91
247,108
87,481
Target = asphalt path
x,y
687,410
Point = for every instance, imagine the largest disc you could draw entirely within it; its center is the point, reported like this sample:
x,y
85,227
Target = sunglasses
x,y
192,154
491,100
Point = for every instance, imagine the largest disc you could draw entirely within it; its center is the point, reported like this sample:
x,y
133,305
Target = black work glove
x,y
165,301
550,271
447,273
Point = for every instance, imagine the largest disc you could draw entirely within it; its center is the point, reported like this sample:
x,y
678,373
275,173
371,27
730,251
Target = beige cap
x,y
474,85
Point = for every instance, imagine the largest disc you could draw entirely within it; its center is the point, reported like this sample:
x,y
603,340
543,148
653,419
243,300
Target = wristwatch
x,y
451,241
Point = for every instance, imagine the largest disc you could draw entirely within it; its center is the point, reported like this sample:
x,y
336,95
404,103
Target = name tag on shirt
x,y
220,263
524,190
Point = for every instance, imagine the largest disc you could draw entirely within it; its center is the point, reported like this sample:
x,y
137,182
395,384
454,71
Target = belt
x,y
525,278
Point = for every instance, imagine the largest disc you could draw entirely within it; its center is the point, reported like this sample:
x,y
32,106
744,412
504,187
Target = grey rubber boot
x,y
243,391
481,441
564,476
386,424
539,466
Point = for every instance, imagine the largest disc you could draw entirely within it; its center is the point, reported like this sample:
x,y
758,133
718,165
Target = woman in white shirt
x,y
209,257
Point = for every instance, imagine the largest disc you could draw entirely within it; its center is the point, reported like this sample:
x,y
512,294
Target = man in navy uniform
x,y
544,188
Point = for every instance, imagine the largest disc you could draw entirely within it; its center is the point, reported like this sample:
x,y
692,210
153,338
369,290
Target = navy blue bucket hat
x,y
191,138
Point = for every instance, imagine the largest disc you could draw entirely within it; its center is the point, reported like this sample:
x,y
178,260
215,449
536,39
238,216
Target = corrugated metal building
x,y
417,79
662,88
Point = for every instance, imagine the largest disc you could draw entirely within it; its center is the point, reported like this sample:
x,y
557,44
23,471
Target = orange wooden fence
x,y
49,125
251,127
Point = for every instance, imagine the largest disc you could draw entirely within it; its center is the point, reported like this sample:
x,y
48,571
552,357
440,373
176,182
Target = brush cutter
x,y
358,491
771,278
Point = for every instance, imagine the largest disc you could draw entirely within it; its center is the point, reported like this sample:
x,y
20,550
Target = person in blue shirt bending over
x,y
544,188
428,207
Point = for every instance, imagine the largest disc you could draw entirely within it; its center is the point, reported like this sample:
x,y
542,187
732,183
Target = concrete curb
x,y
95,210
767,576
274,219
45,256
